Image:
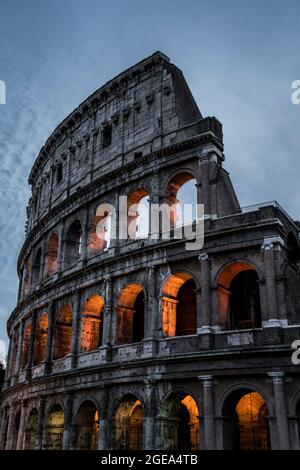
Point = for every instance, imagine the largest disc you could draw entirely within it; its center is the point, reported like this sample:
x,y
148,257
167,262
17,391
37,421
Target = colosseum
x,y
135,341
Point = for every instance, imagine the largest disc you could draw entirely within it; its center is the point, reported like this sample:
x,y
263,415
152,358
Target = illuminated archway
x,y
54,428
73,244
101,229
92,323
26,343
52,255
138,214
239,297
31,430
180,423
41,338
128,425
179,306
182,199
63,332
245,425
86,428
131,314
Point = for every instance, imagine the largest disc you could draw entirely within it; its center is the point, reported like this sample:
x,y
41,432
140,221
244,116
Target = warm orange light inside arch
x,y
252,415
128,316
26,343
41,338
224,281
63,332
91,330
169,302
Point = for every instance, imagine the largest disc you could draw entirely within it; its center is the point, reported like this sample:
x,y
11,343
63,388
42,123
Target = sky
x,y
239,58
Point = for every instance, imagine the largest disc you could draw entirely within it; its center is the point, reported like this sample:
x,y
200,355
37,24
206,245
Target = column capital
x,y
203,257
276,376
207,380
270,242
210,154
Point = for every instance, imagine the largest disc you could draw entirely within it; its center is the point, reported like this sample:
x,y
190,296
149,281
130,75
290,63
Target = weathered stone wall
x,y
154,135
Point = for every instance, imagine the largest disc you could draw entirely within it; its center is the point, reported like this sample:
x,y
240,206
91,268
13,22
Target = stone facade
x,y
141,343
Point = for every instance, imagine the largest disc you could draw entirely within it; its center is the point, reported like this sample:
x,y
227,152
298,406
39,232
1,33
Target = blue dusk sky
x,y
239,58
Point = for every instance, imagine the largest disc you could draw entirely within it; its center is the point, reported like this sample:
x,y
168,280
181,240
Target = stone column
x,y
9,427
151,311
103,421
42,409
31,345
60,250
107,318
68,421
20,347
50,336
205,183
12,345
6,380
149,420
43,262
3,420
22,425
85,237
75,329
280,410
204,309
208,412
31,263
270,272
114,242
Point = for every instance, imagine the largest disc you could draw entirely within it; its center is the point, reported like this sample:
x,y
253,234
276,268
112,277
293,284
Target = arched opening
x,y
92,323
86,428
36,269
182,199
128,425
138,214
245,422
293,250
179,306
26,343
63,332
15,432
52,255
54,428
101,229
31,430
239,298
73,244
180,424
131,314
41,338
